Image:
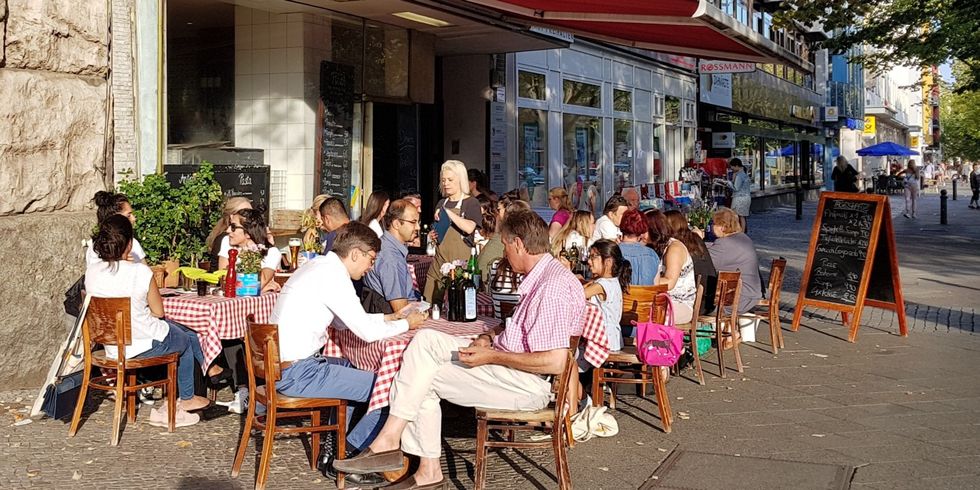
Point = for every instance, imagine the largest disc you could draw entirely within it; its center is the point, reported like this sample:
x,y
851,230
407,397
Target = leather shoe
x,y
370,462
373,480
409,484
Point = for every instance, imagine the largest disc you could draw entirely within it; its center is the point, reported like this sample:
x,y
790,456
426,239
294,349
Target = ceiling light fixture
x,y
421,19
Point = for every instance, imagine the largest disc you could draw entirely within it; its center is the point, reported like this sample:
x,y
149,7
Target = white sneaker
x,y
158,418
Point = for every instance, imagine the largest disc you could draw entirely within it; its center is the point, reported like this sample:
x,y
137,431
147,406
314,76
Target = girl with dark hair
x,y
109,204
703,266
492,248
114,276
248,232
676,266
377,206
612,273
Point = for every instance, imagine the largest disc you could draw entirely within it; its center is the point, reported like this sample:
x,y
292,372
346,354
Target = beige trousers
x,y
428,375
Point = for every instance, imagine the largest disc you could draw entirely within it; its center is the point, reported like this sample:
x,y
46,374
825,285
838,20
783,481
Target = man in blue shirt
x,y
388,286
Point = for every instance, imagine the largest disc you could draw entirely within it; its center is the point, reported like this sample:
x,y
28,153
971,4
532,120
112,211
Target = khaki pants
x,y
428,375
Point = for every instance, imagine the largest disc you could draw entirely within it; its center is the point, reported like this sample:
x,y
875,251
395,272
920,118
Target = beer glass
x,y
294,246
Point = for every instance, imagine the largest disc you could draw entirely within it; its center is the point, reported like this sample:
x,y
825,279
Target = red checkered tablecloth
x,y
384,357
594,333
216,317
418,267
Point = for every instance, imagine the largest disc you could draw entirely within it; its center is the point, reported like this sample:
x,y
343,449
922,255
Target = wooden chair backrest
x,y
108,322
638,301
562,383
262,351
776,280
726,296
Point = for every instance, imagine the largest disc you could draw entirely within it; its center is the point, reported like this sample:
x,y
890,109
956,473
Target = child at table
x,y
612,273
116,276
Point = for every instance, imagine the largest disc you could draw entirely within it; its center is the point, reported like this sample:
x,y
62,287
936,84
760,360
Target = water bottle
x,y
435,312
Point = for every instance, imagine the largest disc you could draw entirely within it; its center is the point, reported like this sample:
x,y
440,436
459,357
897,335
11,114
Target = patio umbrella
x,y
886,149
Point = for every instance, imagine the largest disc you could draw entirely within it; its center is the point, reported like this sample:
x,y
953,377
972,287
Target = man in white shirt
x,y
607,226
318,295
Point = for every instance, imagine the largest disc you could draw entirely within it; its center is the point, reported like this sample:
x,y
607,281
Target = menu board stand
x,y
852,261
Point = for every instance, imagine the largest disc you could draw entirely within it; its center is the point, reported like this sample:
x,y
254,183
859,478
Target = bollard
x,y
799,203
954,188
942,207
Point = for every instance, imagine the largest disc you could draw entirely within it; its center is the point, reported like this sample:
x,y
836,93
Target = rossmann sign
x,y
725,66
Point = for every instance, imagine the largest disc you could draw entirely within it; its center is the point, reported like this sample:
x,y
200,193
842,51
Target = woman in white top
x,y
248,231
911,183
676,266
114,276
612,273
607,226
377,206
107,205
575,233
741,191
218,238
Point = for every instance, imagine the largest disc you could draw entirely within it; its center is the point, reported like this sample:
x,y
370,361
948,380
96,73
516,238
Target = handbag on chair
x,y
658,344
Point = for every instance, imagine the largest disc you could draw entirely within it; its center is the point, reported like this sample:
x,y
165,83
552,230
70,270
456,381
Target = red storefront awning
x,y
688,27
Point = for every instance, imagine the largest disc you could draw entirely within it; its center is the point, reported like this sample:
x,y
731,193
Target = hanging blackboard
x,y
249,181
852,260
335,125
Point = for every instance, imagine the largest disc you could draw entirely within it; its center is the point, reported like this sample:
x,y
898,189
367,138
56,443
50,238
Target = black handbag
x,y
61,396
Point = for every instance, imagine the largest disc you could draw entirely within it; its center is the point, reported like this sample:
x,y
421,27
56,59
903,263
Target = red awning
x,y
688,27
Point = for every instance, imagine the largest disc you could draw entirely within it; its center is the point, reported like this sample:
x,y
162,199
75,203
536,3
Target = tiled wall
x,y
276,79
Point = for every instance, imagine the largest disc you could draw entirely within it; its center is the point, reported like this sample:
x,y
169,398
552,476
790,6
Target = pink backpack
x,y
658,344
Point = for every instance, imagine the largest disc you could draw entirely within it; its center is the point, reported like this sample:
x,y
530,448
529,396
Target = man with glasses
x,y
320,294
388,286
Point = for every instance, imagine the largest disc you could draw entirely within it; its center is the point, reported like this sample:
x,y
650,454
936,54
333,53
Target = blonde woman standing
x,y
561,203
457,215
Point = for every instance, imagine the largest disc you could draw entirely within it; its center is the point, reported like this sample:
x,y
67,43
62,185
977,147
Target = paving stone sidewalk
x,y
904,411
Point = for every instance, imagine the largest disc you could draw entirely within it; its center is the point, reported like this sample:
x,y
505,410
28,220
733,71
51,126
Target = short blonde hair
x,y
564,202
459,169
728,219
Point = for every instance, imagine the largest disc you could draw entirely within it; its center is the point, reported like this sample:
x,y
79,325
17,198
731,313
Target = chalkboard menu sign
x,y
249,181
852,260
335,125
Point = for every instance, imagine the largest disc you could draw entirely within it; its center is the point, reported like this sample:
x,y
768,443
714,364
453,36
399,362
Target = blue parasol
x,y
886,149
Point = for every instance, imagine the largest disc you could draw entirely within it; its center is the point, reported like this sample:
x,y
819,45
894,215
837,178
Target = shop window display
x,y
582,158
747,150
622,154
532,169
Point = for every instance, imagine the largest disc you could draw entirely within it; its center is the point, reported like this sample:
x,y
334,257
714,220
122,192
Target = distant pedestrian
x,y
912,181
741,191
975,186
844,176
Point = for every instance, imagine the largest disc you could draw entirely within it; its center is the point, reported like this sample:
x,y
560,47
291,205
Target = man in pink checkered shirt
x,y
503,369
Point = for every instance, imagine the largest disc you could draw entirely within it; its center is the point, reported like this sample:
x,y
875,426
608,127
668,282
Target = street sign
x,y
710,66
869,125
831,113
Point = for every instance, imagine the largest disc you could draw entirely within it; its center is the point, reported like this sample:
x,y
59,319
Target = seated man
x,y
318,295
333,215
388,286
502,369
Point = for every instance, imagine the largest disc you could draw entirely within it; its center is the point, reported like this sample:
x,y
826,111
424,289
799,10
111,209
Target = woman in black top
x,y
457,216
844,176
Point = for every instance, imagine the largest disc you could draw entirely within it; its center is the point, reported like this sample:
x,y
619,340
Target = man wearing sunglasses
x,y
388,286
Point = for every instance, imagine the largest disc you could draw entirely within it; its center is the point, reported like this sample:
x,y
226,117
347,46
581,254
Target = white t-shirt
x,y
271,260
127,279
376,226
320,294
574,239
605,229
612,310
91,257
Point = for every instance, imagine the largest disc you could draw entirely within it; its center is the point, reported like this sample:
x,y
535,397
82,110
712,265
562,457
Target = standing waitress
x,y
741,191
456,217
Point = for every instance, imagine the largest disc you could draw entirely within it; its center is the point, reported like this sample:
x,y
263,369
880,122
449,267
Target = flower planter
x,y
247,285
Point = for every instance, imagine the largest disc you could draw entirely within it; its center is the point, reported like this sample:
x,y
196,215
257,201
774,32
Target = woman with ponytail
x,y
612,273
247,231
109,204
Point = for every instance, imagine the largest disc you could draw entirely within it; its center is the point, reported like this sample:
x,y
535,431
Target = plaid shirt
x,y
550,311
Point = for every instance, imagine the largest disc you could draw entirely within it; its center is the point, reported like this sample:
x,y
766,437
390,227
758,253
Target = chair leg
x,y
661,390
341,440
561,464
482,433
736,343
774,320
314,439
721,347
131,397
597,395
117,412
268,438
246,433
773,336
694,352
171,397
77,417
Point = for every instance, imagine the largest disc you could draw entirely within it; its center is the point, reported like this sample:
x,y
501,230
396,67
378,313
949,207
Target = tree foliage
x,y
904,32
959,112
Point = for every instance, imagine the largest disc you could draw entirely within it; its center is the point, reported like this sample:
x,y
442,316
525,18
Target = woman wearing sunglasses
x,y
247,231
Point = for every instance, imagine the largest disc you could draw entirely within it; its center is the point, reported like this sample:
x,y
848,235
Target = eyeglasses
x,y
372,256
412,221
594,256
235,227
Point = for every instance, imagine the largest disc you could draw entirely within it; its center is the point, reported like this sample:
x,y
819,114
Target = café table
x,y
384,357
214,318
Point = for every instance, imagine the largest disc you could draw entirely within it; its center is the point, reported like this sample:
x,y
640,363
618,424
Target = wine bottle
x,y
473,267
469,299
451,291
564,252
573,259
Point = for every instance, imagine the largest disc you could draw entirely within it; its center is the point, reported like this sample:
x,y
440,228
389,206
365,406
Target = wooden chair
x,y
553,419
768,307
636,304
692,331
725,318
262,361
108,322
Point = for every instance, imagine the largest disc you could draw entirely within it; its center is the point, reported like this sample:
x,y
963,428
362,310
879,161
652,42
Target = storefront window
x,y
582,94
532,171
787,167
747,150
779,162
531,85
689,137
672,110
622,154
673,152
582,156
622,101
658,153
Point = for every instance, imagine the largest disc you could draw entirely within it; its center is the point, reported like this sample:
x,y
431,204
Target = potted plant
x,y
700,216
248,267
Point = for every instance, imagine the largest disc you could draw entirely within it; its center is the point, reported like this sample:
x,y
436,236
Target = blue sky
x,y
945,71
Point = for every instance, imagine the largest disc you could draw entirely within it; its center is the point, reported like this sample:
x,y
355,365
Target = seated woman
x,y
676,266
108,205
612,275
217,241
115,276
492,248
575,233
377,206
679,229
644,262
734,251
248,231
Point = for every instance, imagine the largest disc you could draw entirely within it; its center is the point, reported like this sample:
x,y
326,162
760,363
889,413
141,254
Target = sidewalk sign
x,y
852,261
63,359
